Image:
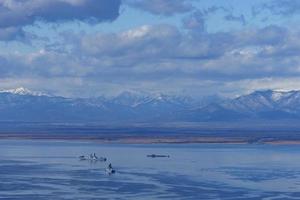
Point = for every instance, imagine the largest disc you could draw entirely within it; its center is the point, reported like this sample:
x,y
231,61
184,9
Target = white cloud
x,y
161,7
163,58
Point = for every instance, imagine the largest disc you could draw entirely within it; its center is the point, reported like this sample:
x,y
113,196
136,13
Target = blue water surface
x,y
52,170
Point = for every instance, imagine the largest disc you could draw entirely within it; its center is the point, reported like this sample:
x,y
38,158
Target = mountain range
x,y
22,104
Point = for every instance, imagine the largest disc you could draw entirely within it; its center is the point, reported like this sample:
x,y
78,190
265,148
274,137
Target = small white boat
x,y
93,157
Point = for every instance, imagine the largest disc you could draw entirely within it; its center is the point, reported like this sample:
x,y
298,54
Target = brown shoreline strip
x,y
150,140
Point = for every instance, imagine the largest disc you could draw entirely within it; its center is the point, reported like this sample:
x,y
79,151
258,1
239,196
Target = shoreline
x,y
120,139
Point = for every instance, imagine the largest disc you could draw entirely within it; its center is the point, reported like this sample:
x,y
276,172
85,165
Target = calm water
x,y
51,170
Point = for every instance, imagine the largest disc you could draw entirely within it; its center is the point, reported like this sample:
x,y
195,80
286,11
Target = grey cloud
x,y
278,7
11,33
214,10
162,50
241,18
12,66
161,7
152,41
16,13
196,21
155,50
270,35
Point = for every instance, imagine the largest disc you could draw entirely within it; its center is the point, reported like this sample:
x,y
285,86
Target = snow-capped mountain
x,y
131,99
24,105
265,101
24,91
257,105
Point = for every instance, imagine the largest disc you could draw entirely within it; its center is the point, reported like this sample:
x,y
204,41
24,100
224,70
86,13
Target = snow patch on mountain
x,y
24,91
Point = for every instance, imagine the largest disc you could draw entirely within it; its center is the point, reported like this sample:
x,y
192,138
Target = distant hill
x,y
24,105
259,105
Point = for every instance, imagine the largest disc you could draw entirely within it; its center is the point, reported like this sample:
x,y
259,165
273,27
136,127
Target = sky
x,y
88,48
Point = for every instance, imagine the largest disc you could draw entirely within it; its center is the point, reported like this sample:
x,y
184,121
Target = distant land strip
x,y
163,139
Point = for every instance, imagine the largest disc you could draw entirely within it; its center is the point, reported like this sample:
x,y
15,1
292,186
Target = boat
x,y
110,170
102,159
158,156
82,158
93,157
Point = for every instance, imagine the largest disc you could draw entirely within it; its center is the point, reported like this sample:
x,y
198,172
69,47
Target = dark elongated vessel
x,y
157,156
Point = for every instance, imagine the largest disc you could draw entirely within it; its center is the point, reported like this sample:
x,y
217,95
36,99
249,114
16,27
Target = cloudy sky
x,y
191,47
